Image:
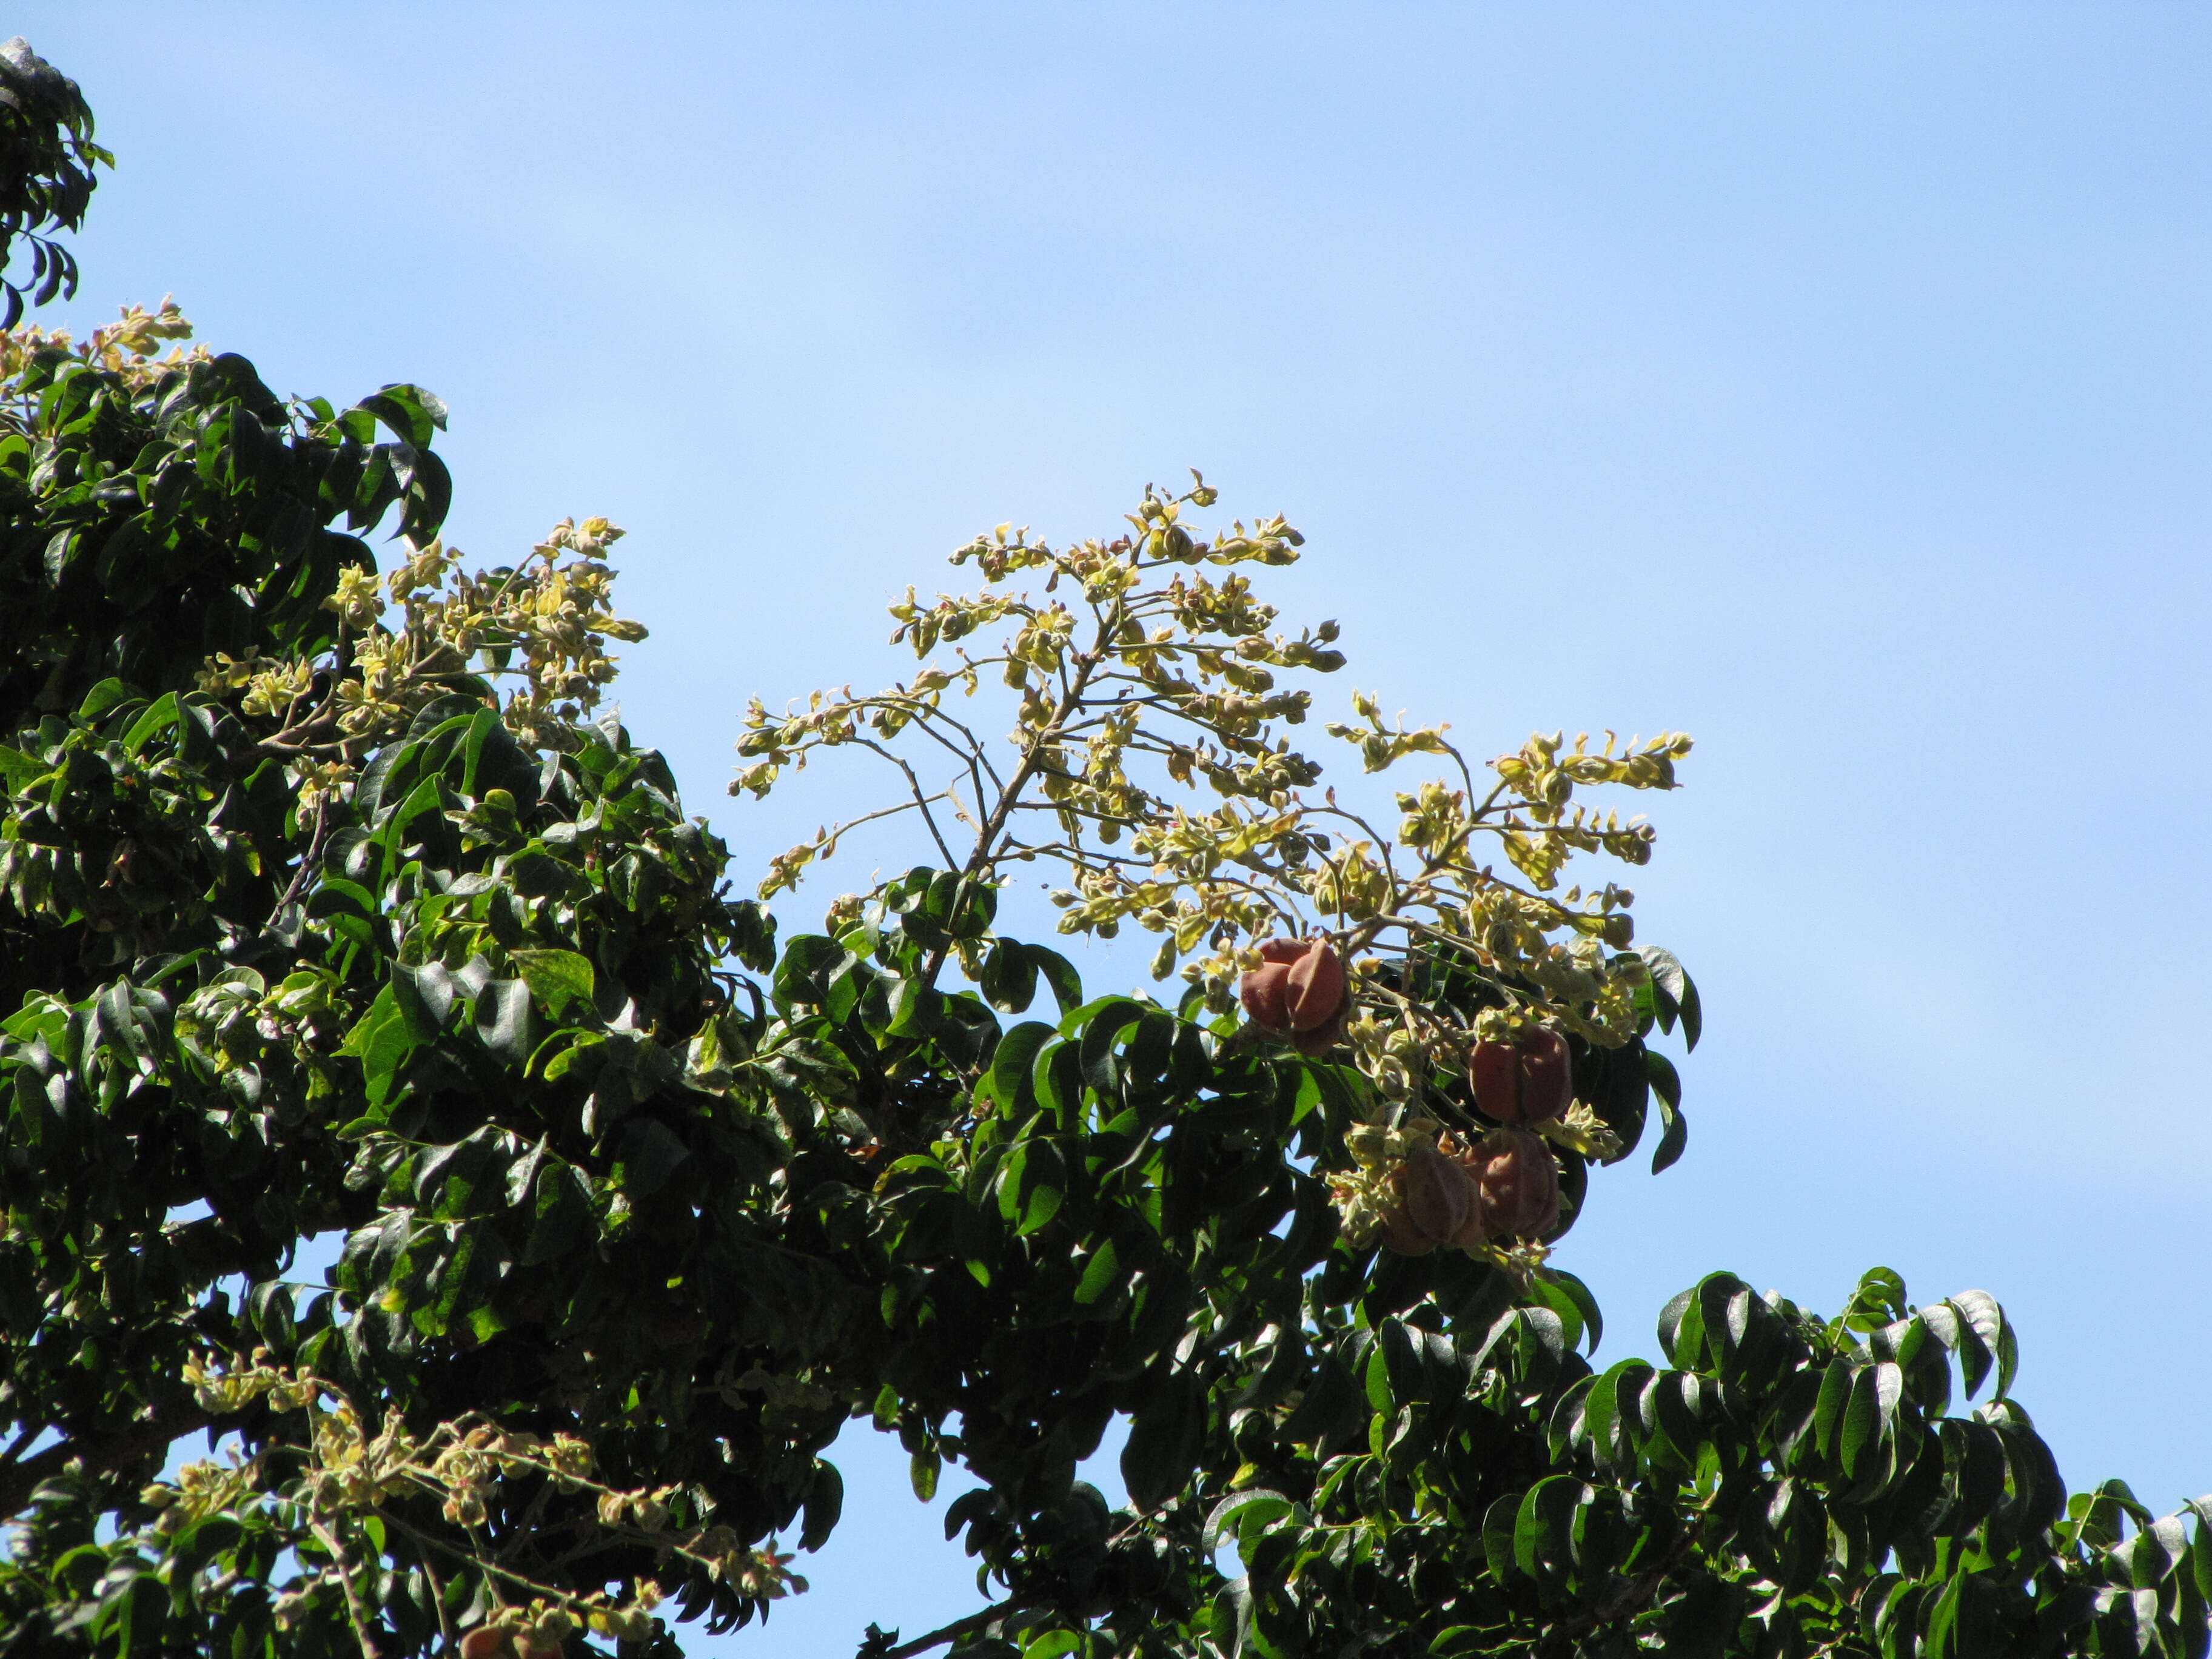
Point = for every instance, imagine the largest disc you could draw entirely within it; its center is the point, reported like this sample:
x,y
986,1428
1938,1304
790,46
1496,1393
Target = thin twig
x,y
959,1627
354,1610
993,826
921,800
838,832
438,1597
308,859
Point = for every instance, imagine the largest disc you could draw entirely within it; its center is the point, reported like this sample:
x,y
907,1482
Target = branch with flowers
x,y
429,627
130,348
339,1491
544,622
1147,762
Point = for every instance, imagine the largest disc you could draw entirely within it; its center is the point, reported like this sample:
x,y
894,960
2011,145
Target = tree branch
x,y
101,1457
354,1610
959,1627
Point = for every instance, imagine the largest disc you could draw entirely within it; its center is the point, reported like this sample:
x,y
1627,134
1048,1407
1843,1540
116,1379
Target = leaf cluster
x,y
269,965
46,161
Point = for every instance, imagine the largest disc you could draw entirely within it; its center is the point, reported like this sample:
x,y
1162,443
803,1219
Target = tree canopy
x,y
332,903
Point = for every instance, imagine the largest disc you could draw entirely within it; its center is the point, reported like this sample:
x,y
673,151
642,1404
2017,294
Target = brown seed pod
x,y
1518,1182
1529,1080
1437,1198
1321,1038
1265,990
1314,987
1297,990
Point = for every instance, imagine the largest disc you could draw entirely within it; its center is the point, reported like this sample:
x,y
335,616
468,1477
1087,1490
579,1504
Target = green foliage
x,y
250,1013
306,934
47,159
161,514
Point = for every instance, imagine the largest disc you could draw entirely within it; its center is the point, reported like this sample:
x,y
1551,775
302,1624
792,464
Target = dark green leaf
x,y
1008,1082
502,1020
558,979
1100,1274
1163,1443
650,1154
825,1503
1543,1529
1674,1137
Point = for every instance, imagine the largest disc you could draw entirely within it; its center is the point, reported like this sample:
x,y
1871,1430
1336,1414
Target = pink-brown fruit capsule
x,y
1530,1079
1315,986
1436,1197
1297,990
1318,1042
1265,991
1518,1182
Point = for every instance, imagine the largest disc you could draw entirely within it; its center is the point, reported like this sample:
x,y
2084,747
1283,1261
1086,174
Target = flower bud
x,y
1526,1080
546,1634
630,1624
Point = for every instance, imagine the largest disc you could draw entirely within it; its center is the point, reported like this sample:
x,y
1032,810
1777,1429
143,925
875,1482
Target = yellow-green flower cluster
x,y
346,1474
544,624
129,347
1140,682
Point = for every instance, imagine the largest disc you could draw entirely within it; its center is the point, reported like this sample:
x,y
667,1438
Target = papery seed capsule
x,y
1529,1080
1296,991
1518,1179
1315,986
1438,1193
1265,991
1435,1201
1266,1003
1321,1038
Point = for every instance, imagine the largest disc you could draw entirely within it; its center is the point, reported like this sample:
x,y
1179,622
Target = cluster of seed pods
x,y
1505,1184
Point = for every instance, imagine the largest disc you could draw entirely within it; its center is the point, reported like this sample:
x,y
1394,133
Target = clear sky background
x,y
1829,381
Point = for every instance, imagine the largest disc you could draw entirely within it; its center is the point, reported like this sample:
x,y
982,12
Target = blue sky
x,y
1831,382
